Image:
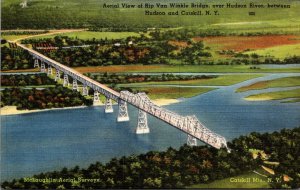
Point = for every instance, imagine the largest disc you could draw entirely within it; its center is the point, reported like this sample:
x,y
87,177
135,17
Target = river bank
x,y
12,110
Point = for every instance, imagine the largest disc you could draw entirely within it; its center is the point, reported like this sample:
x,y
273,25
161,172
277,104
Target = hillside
x,y
44,14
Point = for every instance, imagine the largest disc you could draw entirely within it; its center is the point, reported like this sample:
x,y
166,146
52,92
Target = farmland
x,y
242,43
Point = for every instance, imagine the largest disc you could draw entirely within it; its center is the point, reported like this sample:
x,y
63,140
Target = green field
x,y
45,14
222,80
279,52
281,95
225,183
13,37
172,92
281,82
184,69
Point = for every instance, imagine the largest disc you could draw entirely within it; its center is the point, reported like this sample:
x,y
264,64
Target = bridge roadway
x,y
74,74
188,124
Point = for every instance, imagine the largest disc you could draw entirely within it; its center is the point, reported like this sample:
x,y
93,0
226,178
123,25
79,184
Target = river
x,y
47,141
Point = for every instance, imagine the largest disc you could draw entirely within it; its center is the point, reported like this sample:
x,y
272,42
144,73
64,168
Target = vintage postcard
x,y
150,94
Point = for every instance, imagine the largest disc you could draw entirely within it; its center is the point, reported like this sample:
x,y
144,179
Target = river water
x,y
47,141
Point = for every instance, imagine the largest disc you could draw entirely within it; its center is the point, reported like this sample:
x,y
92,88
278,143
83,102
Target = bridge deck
x,y
70,70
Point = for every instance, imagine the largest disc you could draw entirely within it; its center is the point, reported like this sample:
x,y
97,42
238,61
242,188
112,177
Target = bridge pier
x,y
75,85
85,90
142,126
36,63
123,112
96,97
108,106
43,67
57,75
191,141
66,80
49,70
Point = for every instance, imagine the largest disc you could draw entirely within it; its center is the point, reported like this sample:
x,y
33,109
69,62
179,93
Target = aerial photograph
x,y
150,94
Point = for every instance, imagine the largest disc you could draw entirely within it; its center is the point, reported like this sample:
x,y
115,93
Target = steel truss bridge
x,y
188,124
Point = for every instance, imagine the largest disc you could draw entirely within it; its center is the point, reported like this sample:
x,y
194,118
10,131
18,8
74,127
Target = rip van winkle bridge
x,y
188,124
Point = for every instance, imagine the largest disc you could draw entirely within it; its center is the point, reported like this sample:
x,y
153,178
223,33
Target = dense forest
x,y
180,168
15,58
26,80
40,97
56,97
113,78
118,52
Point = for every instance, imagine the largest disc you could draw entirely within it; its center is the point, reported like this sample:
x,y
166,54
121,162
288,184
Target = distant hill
x,y
57,14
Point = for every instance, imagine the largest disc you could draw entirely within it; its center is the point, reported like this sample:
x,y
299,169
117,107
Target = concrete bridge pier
x,y
191,141
49,70
96,97
43,67
123,111
108,106
142,126
66,80
36,63
57,75
85,90
75,85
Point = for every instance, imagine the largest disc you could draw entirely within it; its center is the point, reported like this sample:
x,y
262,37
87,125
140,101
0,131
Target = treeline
x,y
61,41
57,97
23,32
15,58
185,166
246,60
113,78
26,80
185,34
168,169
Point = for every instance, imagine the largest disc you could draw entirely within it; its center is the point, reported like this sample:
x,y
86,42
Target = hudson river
x,y
47,141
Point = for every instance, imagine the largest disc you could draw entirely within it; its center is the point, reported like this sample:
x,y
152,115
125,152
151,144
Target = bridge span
x,y
188,124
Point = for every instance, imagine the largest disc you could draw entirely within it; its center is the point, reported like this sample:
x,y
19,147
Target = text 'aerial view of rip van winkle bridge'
x,y
187,124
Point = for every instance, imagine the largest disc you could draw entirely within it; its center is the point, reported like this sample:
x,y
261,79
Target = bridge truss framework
x,y
188,124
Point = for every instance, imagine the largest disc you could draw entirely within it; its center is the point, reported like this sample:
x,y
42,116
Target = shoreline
x,y
258,98
165,101
12,110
